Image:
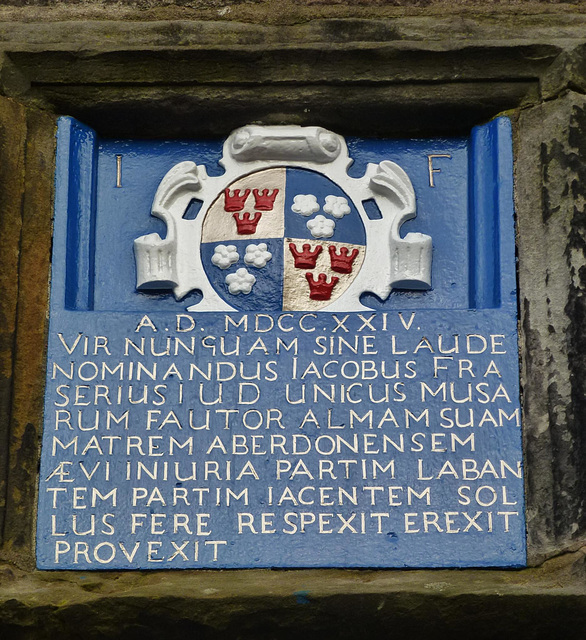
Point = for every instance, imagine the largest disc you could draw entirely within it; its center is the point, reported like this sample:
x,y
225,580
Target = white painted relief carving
x,y
336,206
262,215
321,227
305,204
240,282
257,255
225,256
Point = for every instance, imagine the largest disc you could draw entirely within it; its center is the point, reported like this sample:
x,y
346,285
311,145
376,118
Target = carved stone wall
x,y
163,69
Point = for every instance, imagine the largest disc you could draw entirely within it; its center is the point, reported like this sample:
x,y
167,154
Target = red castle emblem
x,y
264,199
236,200
305,259
246,225
342,262
321,289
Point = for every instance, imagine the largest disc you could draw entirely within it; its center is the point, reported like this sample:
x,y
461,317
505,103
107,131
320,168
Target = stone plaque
x,y
286,349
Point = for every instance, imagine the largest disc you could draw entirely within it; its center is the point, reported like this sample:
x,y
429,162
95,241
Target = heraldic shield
x,y
282,239
285,228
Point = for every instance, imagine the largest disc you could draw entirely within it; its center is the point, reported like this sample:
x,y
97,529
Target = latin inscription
x,y
175,443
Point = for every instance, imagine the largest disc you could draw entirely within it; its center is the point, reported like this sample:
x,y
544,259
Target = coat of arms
x,y
285,228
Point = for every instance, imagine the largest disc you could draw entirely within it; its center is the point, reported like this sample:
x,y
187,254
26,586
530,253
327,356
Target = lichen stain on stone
x,y
576,310
538,458
568,424
547,156
23,485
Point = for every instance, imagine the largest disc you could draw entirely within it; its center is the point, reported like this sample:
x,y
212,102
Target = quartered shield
x,y
282,239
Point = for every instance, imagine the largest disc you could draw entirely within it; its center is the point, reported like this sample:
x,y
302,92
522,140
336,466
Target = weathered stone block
x,y
551,179
28,145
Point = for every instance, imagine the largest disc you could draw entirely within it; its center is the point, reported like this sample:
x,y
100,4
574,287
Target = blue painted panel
x,y
274,439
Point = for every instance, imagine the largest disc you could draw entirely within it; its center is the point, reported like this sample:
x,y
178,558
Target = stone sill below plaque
x,y
286,604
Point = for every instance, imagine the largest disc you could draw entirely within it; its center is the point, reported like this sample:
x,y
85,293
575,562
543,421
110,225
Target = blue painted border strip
x,y
506,210
75,185
492,235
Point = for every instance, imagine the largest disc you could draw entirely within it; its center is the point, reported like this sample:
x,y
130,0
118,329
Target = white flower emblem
x,y
257,255
321,227
225,256
305,205
240,282
336,206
